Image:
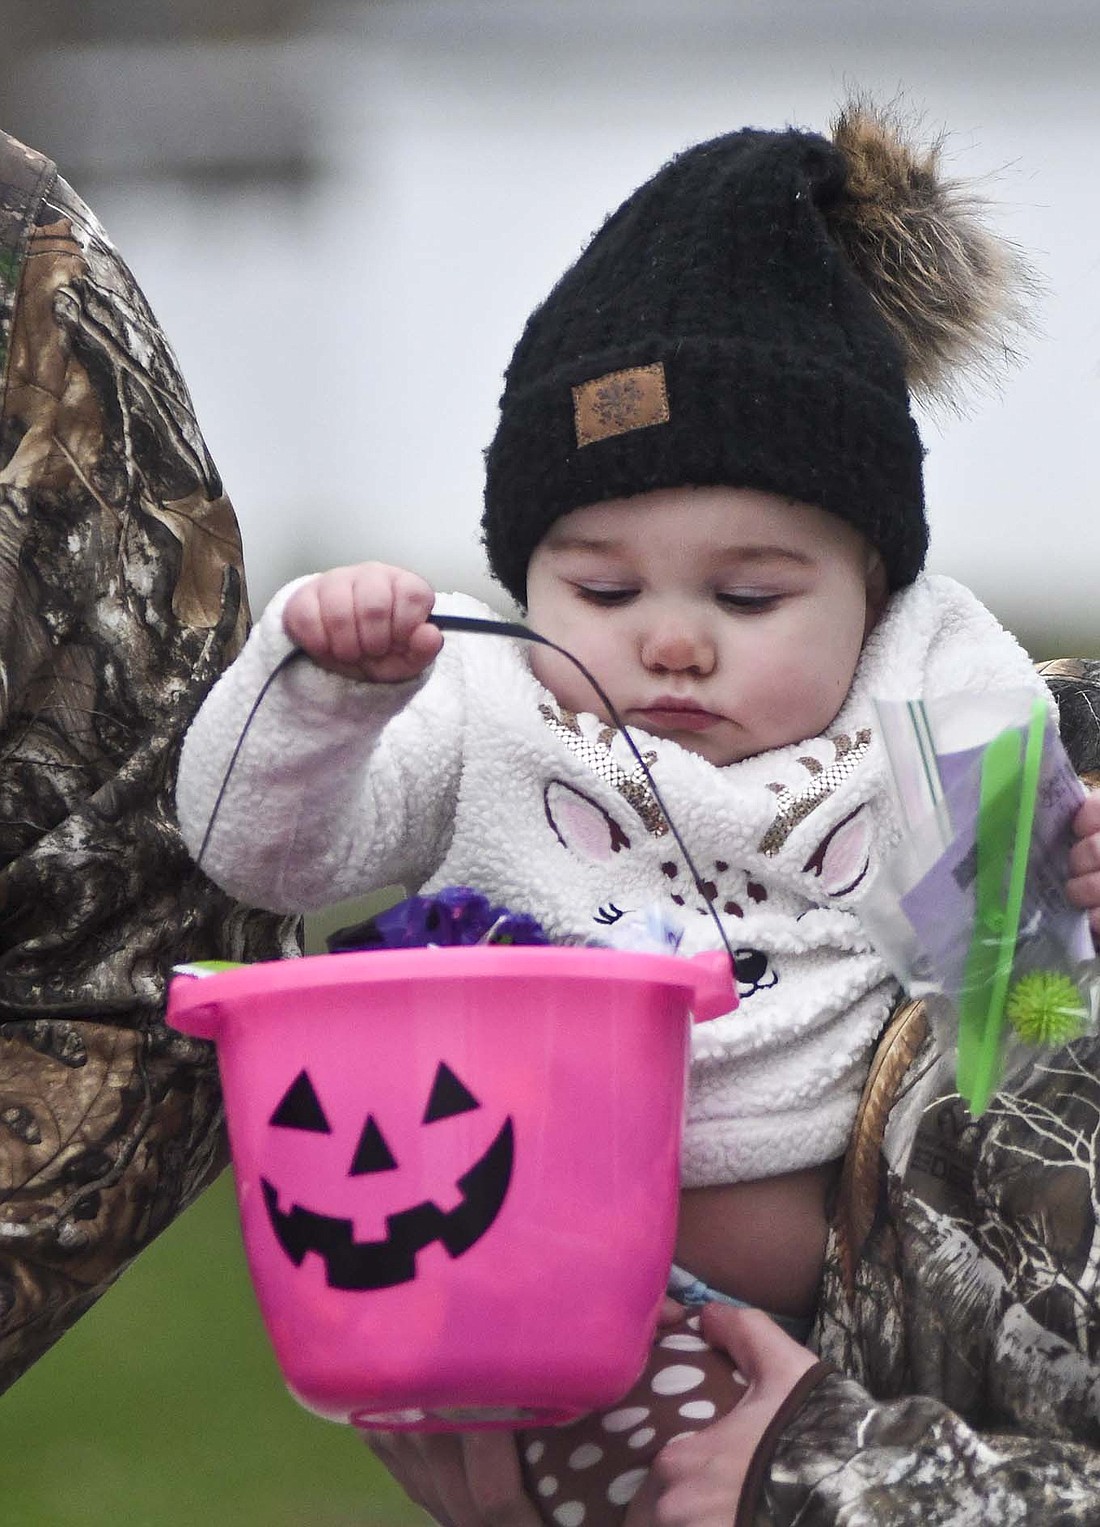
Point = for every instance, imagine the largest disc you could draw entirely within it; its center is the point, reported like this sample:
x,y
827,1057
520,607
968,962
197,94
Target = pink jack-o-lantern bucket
x,y
457,1169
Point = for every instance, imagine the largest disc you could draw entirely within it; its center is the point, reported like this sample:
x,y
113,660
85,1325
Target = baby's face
x,y
724,618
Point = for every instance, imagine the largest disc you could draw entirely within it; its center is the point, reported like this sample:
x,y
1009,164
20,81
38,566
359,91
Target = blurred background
x,y
342,214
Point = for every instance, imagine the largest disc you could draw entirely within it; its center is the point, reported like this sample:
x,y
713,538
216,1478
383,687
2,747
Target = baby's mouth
x,y
677,716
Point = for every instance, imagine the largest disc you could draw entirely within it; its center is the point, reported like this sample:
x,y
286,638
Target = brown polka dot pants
x,y
586,1473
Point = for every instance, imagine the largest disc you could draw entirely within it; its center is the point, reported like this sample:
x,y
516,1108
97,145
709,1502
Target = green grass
x,y
164,1407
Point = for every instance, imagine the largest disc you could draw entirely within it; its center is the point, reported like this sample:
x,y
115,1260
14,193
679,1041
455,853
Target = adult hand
x,y
698,1480
469,1479
461,1479
1083,889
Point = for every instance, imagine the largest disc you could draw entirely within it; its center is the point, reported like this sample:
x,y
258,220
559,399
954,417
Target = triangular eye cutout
x,y
372,1154
448,1097
301,1108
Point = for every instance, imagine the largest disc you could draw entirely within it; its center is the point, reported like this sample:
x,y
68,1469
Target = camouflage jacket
x,y
121,599
961,1303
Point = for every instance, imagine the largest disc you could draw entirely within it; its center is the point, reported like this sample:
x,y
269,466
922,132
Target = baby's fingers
x,y
1087,820
303,621
390,639
1083,886
1083,892
329,616
411,604
366,622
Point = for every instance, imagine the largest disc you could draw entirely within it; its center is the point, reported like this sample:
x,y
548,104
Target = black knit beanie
x,y
736,322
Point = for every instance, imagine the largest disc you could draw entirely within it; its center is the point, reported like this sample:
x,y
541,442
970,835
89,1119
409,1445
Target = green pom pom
x,y
1045,1008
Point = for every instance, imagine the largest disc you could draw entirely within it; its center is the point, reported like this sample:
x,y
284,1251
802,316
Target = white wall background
x,y
344,340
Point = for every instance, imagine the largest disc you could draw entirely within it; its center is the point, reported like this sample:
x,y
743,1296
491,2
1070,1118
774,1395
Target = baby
x,y
706,485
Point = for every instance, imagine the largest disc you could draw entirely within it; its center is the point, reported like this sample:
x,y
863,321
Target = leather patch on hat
x,y
619,402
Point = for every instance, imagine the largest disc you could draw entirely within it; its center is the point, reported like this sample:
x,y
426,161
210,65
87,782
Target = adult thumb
x,y
762,1352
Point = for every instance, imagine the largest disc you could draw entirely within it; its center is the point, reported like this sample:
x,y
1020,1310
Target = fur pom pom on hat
x,y
755,316
952,292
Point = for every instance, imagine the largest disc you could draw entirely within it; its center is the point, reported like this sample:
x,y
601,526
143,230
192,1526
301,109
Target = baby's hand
x,y
1083,888
365,622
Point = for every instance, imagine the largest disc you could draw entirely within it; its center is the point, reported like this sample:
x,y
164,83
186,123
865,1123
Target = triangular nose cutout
x,y
301,1108
373,1154
448,1097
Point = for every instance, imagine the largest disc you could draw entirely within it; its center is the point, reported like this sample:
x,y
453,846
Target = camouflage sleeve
x,y
121,599
846,1458
961,1293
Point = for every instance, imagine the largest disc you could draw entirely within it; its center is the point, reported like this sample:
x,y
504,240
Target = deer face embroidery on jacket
x,y
838,861
584,827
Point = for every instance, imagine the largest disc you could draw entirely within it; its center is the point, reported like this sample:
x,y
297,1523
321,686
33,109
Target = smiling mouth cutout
x,y
361,1265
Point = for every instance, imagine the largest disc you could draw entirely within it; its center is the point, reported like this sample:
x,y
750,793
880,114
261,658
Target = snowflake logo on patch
x,y
616,403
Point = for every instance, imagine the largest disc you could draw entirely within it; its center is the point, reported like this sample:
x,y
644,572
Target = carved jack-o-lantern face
x,y
369,1264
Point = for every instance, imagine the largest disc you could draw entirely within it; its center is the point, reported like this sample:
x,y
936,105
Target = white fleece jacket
x,y
474,776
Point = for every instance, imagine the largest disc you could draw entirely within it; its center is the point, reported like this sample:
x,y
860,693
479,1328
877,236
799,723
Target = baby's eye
x,y
602,594
747,601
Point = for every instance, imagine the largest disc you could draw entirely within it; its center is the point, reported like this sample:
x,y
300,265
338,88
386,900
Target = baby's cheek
x,y
819,680
566,683
558,675
797,700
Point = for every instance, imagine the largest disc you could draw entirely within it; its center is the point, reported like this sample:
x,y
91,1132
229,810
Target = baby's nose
x,y
678,648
